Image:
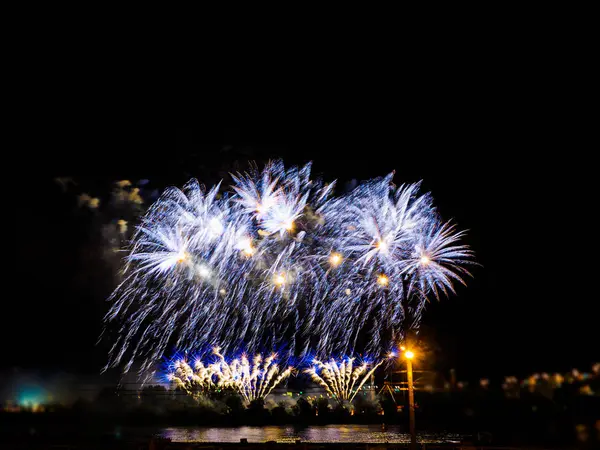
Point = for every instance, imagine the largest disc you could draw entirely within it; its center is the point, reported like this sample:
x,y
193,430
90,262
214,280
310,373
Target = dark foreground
x,y
162,444
38,432
334,437
353,435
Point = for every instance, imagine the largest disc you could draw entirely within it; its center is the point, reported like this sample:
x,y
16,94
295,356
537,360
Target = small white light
x,y
216,227
182,256
382,280
335,259
245,245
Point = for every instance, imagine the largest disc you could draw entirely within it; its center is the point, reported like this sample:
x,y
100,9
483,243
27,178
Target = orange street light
x,y
409,355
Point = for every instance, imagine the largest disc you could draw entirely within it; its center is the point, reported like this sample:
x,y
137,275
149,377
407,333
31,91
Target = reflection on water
x,y
326,433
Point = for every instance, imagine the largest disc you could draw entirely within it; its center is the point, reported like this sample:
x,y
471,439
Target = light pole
x,y
411,399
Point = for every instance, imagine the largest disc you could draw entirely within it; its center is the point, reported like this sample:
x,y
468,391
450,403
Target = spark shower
x,y
278,263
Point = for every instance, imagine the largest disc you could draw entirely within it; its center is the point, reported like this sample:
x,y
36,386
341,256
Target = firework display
x,y
194,381
278,263
253,380
341,379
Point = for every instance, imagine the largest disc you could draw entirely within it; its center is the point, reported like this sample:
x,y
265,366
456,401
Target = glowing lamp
x,y
409,355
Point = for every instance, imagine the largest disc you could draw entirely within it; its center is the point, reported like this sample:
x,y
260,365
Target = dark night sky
x,y
505,161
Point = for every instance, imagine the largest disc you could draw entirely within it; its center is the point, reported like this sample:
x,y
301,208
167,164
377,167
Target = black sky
x,y
505,155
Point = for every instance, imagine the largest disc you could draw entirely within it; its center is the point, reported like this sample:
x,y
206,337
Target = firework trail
x,y
252,380
277,262
341,379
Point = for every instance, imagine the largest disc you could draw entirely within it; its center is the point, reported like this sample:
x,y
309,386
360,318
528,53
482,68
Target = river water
x,y
324,433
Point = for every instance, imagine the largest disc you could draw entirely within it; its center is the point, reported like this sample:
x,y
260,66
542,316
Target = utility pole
x,y
372,387
409,355
411,405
